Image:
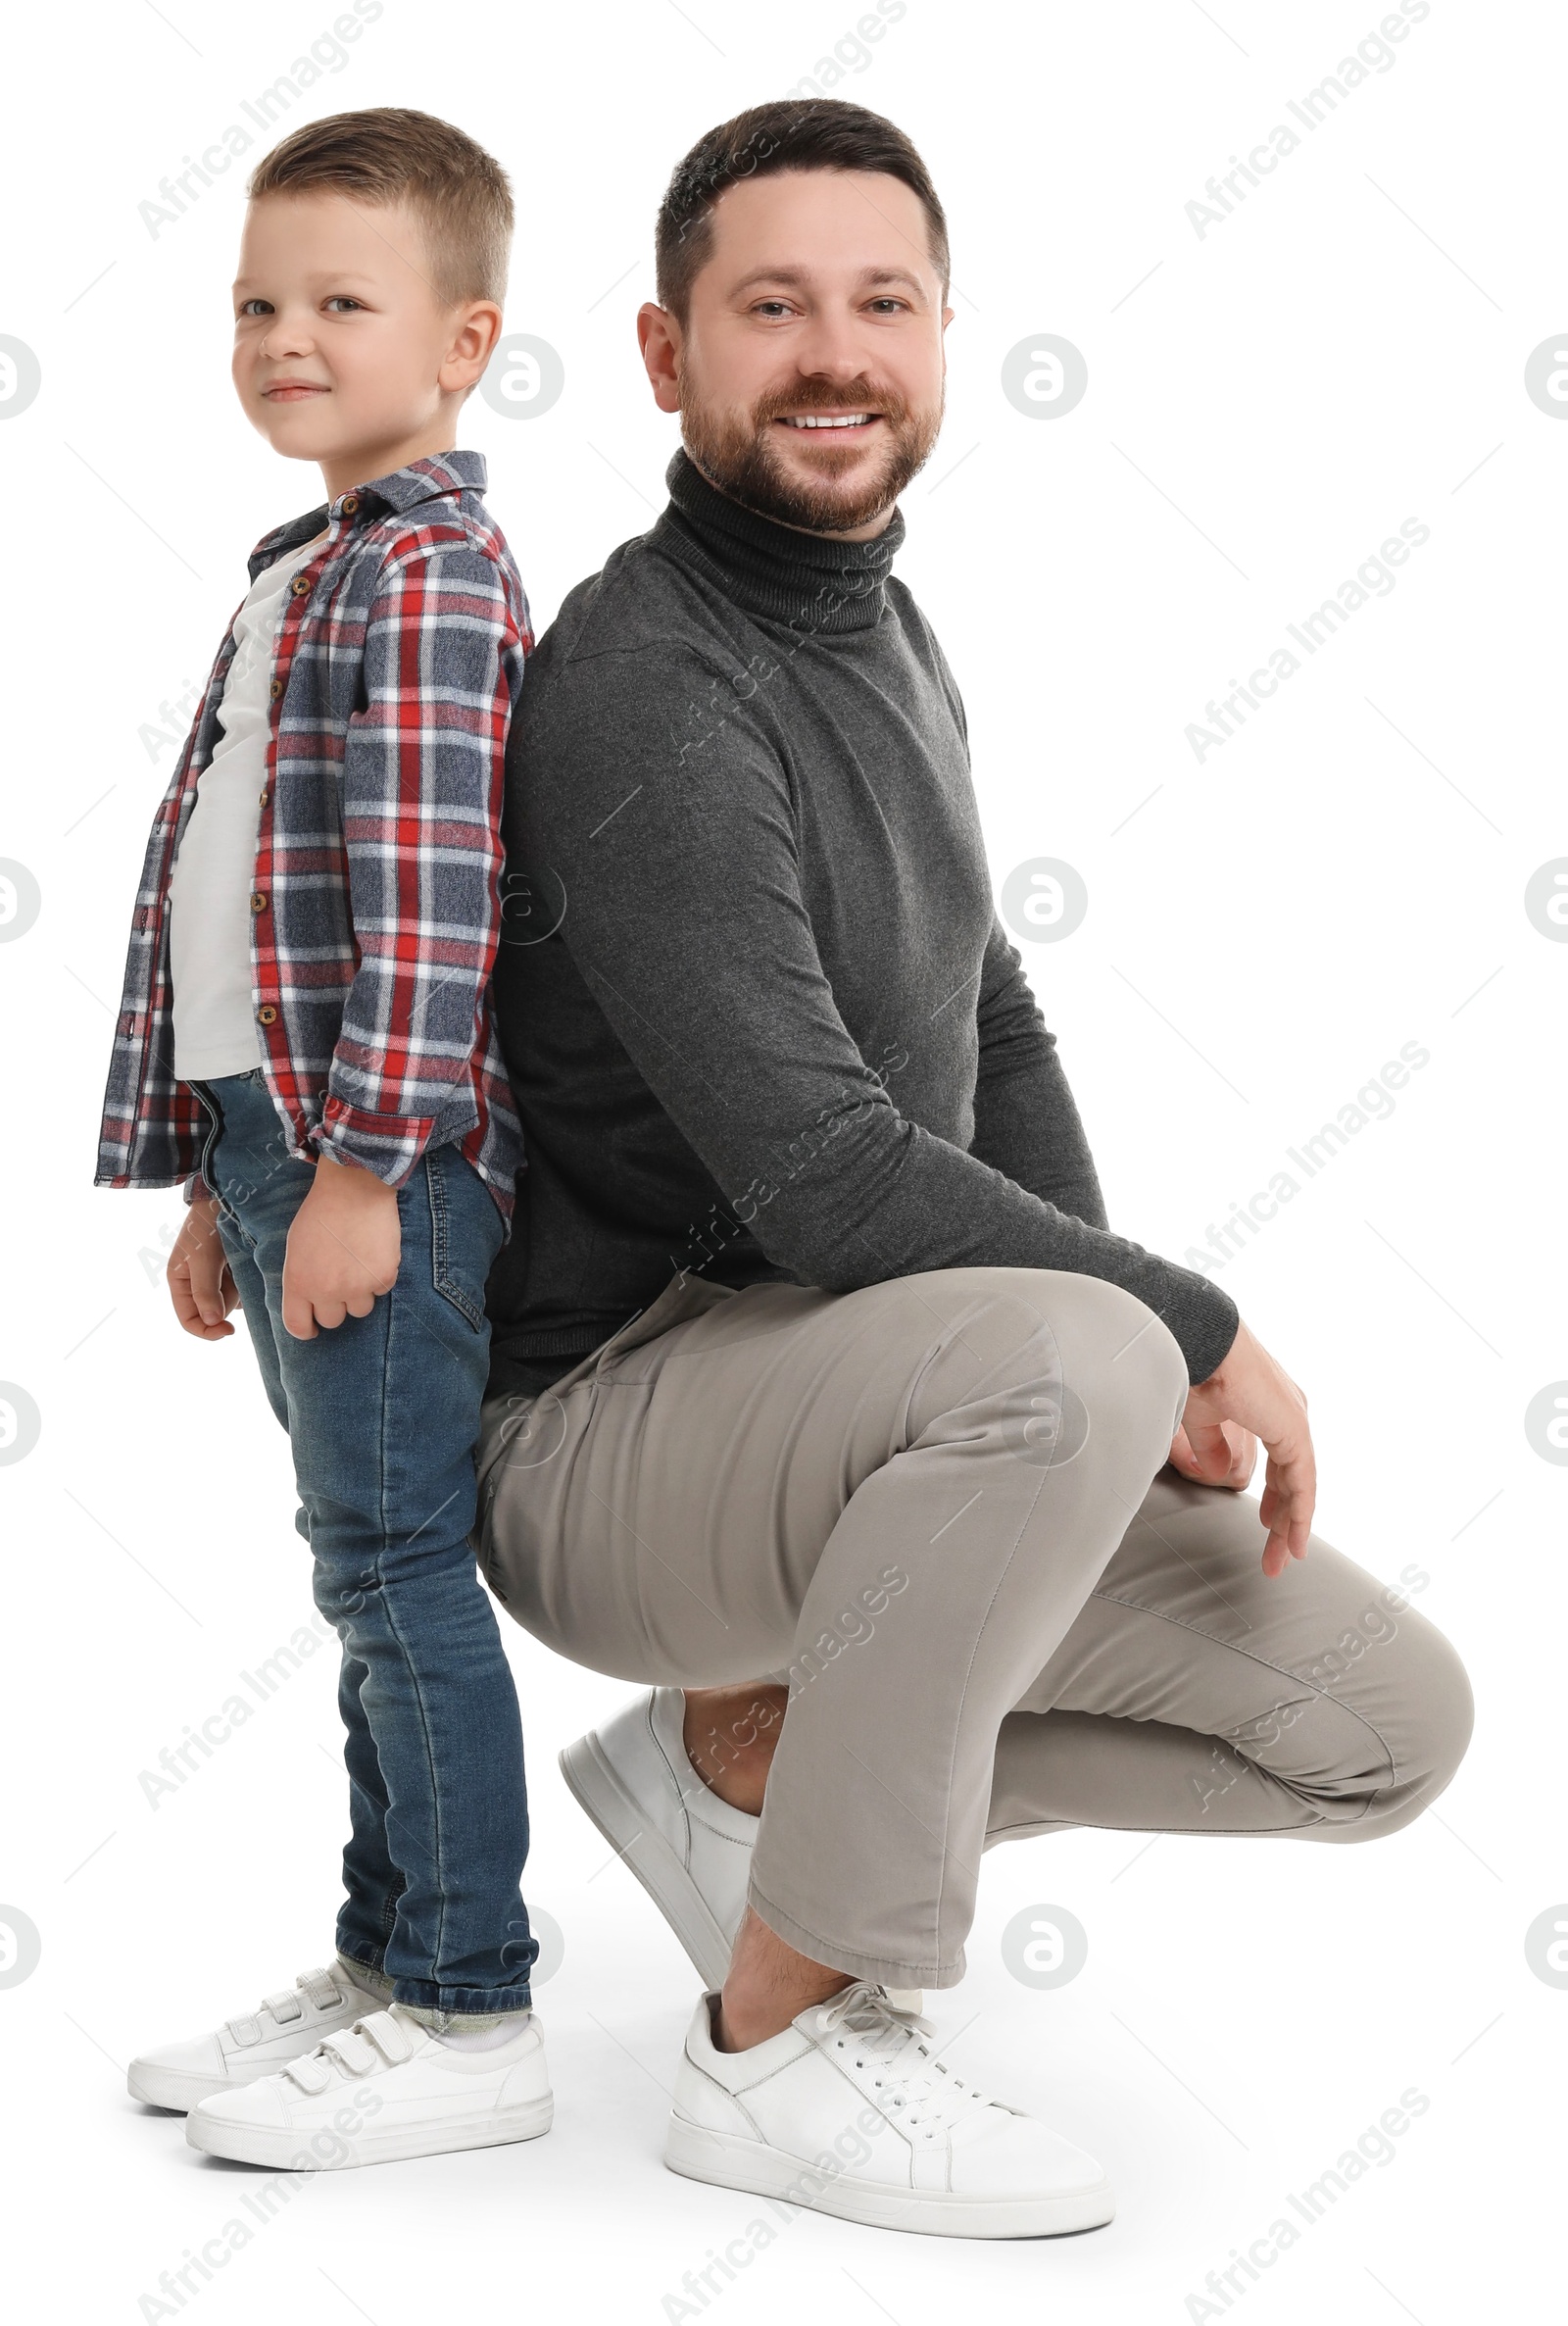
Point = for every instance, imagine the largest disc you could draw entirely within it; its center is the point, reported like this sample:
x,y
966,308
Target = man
x,y
819,1379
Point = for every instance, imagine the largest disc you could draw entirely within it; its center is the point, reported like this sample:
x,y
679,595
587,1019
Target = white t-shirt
x,y
211,884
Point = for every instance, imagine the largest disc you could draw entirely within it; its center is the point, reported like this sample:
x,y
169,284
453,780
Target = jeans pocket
x,y
459,1260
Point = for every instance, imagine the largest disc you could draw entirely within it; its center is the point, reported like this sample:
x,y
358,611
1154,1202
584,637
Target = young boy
x,y
306,1039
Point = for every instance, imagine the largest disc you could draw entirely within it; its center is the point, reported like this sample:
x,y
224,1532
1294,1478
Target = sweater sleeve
x,y
685,917
1026,1123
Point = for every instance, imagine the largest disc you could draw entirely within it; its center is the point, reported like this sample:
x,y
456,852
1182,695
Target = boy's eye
x,y
341,303
254,307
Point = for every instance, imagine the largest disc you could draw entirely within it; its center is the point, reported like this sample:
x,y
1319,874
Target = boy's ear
x,y
472,344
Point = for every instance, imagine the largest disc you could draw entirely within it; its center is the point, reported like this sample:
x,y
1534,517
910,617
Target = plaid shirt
x,y
375,906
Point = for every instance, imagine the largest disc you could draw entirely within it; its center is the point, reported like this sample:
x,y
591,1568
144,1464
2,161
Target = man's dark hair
x,y
791,133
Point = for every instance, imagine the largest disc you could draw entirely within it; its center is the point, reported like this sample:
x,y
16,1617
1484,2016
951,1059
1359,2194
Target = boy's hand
x,y
199,1282
343,1248
1253,1391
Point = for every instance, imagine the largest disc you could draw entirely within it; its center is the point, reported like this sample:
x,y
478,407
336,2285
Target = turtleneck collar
x,y
805,580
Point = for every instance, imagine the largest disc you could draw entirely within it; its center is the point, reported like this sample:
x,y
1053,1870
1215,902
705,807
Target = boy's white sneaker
x,y
382,2089
256,2044
691,1852
850,2112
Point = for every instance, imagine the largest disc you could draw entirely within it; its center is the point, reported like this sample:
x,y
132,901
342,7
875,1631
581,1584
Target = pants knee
x,y
1117,1358
1446,1712
1060,1361
1426,1721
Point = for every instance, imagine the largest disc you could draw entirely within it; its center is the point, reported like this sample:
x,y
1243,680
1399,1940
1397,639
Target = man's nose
x,y
831,349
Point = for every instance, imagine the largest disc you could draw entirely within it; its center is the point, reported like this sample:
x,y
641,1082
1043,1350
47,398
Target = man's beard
x,y
742,457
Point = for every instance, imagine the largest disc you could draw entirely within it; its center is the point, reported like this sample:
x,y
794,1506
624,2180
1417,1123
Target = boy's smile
x,y
343,351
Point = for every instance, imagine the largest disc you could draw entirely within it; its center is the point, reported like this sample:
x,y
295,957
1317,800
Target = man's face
x,y
808,371
342,350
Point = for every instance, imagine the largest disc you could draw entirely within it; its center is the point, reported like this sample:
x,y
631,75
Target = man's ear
x,y
659,336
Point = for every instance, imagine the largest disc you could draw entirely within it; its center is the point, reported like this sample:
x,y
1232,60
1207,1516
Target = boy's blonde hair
x,y
460,194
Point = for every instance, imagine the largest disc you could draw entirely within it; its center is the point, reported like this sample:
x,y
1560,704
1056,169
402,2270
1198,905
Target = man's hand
x,y
1255,1393
1239,1445
344,1248
197,1275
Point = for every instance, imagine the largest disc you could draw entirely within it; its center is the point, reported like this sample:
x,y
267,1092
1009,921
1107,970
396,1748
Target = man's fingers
x,y
1208,1450
1286,1508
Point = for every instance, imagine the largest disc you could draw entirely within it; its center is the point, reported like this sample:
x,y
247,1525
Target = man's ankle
x,y
743,2021
769,1984
729,1735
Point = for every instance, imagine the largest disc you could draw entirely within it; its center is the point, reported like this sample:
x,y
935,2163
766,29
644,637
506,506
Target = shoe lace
x,y
318,1987
920,2090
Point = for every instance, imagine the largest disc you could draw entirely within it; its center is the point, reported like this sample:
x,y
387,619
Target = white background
x,y
1266,407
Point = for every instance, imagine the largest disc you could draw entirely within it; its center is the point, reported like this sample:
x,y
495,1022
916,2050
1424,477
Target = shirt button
x,y
263,799
299,585
277,688
267,1013
351,503
258,902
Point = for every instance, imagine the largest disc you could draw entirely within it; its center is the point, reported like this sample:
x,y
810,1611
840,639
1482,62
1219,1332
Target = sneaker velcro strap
x,y
310,2073
284,2005
352,2052
321,1987
389,2036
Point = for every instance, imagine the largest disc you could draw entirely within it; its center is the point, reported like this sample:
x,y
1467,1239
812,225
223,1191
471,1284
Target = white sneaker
x,y
280,2029
850,2112
381,2089
691,1852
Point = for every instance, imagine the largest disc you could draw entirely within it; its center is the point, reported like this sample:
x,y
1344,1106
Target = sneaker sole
x,y
282,2148
168,2087
598,1792
731,2162
182,2088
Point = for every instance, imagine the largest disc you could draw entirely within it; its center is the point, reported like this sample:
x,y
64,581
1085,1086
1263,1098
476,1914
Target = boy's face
x,y
343,354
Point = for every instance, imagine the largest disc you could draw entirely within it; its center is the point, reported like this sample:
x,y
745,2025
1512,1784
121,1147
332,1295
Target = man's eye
x,y
888,306
771,307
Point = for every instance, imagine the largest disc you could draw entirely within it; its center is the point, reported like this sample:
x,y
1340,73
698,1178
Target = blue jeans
x,y
382,1414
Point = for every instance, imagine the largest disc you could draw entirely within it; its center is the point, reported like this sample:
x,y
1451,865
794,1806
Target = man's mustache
x,y
820,396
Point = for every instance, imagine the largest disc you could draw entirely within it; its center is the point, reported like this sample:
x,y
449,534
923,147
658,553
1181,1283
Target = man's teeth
x,y
823,420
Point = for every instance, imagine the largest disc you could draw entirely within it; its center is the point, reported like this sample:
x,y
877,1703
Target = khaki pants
x,y
939,1509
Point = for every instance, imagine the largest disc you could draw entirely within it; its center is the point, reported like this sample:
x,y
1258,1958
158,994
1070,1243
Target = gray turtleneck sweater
x,y
756,1007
